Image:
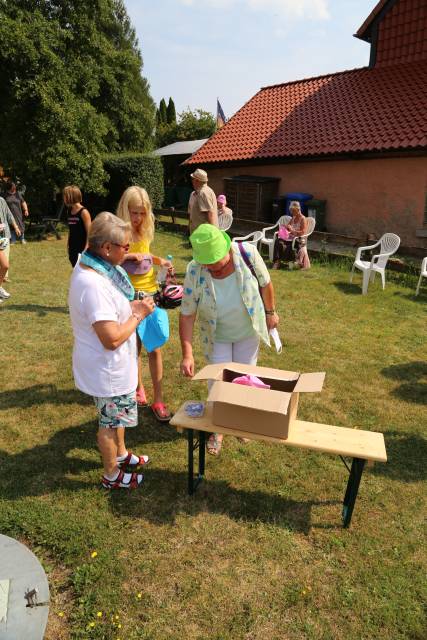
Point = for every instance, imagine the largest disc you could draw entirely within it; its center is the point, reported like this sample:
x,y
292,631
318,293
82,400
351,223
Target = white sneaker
x,y
23,241
4,294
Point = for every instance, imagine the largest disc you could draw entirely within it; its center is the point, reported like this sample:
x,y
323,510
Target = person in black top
x,y
79,222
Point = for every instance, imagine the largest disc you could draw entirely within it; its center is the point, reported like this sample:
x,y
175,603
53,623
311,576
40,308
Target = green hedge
x,y
125,170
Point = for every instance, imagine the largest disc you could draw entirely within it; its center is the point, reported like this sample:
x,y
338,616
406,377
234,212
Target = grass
x,y
259,552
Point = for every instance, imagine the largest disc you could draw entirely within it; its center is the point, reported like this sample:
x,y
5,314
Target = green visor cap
x,y
210,244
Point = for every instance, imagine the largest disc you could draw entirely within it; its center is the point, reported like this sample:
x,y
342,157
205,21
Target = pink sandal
x,y
161,411
141,399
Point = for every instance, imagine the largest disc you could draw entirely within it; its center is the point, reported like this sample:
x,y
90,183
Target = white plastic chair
x,y
269,241
225,220
311,223
252,238
423,274
389,244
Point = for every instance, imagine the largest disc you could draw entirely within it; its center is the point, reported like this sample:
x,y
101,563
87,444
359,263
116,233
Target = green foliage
x,y
128,169
163,114
171,112
72,90
191,125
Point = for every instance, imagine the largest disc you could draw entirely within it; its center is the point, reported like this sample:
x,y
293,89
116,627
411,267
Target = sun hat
x,y
222,199
199,174
210,244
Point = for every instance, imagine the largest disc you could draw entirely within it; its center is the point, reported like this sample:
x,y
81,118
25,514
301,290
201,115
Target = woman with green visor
x,y
235,309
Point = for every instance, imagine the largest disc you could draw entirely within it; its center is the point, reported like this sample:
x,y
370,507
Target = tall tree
x,y
171,112
163,112
191,125
70,73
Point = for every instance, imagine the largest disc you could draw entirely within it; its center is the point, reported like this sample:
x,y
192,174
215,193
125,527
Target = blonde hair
x,y
136,197
107,228
71,195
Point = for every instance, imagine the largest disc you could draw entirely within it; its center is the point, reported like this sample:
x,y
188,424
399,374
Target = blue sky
x,y
196,50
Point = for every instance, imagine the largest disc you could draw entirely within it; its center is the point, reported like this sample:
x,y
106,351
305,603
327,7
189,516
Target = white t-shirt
x,y
98,371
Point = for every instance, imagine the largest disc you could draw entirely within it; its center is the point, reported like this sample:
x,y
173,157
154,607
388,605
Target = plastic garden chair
x,y
311,223
423,274
268,240
252,238
225,220
389,244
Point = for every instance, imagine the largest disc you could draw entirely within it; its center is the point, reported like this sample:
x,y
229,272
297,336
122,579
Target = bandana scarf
x,y
116,274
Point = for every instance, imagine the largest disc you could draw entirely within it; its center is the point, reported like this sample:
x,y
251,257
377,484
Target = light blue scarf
x,y
116,274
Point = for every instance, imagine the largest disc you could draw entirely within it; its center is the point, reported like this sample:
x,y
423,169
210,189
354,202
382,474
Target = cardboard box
x,y
263,411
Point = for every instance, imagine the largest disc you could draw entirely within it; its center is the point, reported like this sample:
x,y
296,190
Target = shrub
x,y
125,170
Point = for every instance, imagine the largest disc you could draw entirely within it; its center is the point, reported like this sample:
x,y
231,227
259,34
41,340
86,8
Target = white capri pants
x,y
244,352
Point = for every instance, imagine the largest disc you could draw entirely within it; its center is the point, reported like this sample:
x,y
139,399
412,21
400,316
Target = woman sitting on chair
x,y
295,228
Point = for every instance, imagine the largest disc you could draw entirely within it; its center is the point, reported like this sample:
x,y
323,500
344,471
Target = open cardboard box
x,y
263,411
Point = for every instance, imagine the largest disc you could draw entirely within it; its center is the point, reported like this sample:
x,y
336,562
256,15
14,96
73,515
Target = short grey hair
x,y
107,228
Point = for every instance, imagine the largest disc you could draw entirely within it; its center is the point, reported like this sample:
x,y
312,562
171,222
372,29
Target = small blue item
x,y
195,409
154,329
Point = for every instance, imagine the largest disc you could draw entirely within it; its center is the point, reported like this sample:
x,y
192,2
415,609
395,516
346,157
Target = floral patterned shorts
x,y
118,411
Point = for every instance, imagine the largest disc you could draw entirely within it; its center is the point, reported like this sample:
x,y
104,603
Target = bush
x,y
125,170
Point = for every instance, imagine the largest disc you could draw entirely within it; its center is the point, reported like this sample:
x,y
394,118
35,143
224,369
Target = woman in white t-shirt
x,y
104,318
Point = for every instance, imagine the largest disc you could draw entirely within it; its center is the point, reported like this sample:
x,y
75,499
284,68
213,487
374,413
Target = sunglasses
x,y
123,246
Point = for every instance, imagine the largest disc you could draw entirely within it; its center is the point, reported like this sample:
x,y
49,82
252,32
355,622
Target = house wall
x,y
363,196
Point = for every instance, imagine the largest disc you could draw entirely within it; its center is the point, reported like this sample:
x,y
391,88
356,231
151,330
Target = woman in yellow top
x,y
135,207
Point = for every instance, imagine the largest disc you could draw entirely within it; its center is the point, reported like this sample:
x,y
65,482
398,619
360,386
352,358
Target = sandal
x,y
213,445
141,399
123,481
161,411
127,462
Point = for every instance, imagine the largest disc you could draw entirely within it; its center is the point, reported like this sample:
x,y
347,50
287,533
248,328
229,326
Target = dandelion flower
x,y
91,624
99,614
139,596
61,614
93,554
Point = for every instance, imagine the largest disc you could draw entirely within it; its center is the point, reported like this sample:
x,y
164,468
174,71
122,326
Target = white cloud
x,y
296,9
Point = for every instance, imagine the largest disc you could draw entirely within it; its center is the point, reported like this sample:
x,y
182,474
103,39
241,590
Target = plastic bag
x,y
154,329
251,381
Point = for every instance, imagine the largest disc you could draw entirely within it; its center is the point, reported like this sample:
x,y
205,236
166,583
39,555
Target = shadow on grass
x,y
164,498
44,468
414,389
348,287
406,456
41,394
41,310
419,299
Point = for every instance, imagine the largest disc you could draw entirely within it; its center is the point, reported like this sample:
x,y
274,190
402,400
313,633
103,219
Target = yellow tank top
x,y
147,281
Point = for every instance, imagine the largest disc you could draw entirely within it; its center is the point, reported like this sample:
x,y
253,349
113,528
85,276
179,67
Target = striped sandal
x,y
123,481
133,460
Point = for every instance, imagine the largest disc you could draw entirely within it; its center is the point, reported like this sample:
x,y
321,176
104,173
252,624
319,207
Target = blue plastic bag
x,y
154,329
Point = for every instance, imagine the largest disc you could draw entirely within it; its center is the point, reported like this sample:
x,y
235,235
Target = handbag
x,y
154,329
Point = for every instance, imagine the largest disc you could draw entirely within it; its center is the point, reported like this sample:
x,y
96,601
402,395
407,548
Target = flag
x,y
220,117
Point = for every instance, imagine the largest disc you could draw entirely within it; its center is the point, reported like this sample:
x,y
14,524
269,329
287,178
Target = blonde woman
x,y
78,221
135,207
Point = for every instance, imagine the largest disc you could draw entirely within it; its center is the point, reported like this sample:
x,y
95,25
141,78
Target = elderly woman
x,y
235,308
104,317
296,228
6,221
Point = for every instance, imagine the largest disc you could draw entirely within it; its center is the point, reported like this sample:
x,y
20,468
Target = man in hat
x,y
202,206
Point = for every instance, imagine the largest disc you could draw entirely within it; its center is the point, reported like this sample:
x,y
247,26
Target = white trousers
x,y
244,351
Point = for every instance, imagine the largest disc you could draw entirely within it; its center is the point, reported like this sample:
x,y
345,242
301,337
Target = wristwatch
x,y
270,312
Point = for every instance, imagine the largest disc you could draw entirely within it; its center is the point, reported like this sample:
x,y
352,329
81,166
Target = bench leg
x,y
352,489
195,442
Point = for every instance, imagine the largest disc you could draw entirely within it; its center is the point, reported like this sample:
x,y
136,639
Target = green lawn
x,y
259,552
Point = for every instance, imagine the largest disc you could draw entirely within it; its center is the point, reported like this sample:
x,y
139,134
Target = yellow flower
x,y
117,617
139,596
61,614
99,614
93,554
91,624
119,626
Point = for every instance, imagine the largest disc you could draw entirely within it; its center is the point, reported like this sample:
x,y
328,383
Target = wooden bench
x,y
360,446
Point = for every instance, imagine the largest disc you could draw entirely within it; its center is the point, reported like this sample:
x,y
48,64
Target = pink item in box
x,y
251,381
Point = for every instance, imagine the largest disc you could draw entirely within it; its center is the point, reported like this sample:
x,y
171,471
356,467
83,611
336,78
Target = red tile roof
x,y
362,110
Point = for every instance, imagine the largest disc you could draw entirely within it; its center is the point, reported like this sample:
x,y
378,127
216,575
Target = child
x,y
79,222
135,207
